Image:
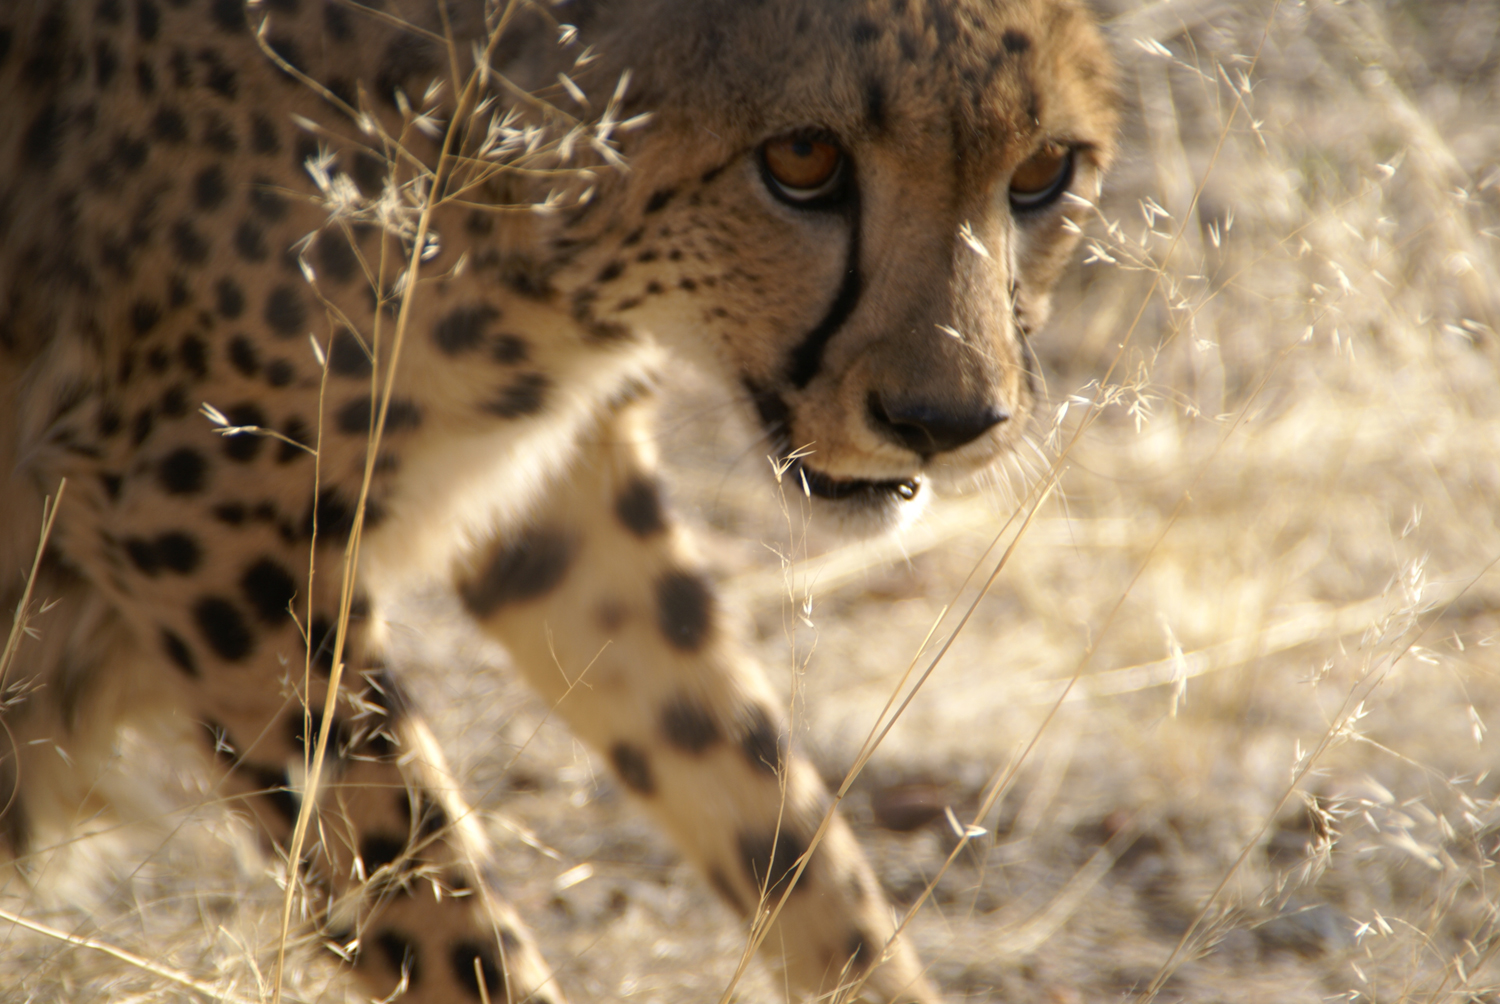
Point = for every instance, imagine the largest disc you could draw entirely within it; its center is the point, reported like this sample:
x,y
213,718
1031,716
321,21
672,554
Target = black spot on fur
x,y
50,59
859,952
770,859
684,606
406,56
659,199
336,24
1015,41
639,508
302,731
335,516
269,589
865,31
267,203
633,767
400,952
430,817
220,745
508,350
356,417
221,79
304,148
279,373
285,311
245,446
275,788
142,554
762,741
479,223
875,104
177,552
286,47
182,472
263,138
250,241
174,401
178,292
173,552
346,356
193,354
369,173
334,257
523,396
231,303
463,329
387,694
229,513
688,725
344,89
223,628
106,63
295,430
188,243
379,850
141,425
726,889
182,69
519,570
610,272
242,354
209,188
178,651
42,143
473,962
147,20
108,421
144,315
321,639
228,15
169,126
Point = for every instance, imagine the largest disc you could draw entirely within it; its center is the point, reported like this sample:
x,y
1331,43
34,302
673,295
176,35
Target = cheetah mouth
x,y
834,489
859,493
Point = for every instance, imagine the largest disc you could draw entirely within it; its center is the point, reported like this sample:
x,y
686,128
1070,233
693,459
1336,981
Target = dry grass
x,y
1268,567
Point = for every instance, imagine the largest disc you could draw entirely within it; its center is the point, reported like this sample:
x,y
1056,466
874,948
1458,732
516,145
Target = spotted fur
x,y
167,240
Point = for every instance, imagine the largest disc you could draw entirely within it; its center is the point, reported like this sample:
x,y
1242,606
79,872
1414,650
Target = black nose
x,y
928,428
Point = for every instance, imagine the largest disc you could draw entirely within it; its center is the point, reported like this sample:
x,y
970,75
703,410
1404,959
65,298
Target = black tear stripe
x,y
807,358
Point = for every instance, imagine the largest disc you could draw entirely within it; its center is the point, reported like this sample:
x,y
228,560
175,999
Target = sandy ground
x,y
1266,566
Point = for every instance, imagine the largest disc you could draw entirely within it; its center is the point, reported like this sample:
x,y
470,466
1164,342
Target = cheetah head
x,y
860,233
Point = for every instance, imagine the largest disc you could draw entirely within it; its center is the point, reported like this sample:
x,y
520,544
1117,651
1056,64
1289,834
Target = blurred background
x,y
1267,568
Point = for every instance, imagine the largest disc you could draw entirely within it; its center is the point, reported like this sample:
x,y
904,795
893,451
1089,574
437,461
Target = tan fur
x,y
166,245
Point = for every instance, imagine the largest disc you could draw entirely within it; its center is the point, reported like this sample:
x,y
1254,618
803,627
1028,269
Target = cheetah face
x,y
866,241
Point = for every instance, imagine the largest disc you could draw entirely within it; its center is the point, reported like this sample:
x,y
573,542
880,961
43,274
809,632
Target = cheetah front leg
x,y
159,618
602,605
393,860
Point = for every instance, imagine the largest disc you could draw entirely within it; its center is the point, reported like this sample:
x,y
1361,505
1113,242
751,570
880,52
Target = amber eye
x,y
1041,178
801,169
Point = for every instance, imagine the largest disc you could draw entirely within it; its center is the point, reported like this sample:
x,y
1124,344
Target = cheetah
x,y
308,300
